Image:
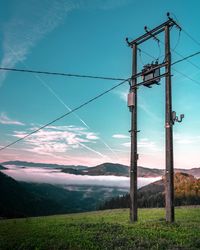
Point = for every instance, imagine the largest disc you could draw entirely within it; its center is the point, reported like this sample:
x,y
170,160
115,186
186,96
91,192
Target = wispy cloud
x,y
126,144
144,143
4,119
122,94
30,22
33,20
184,139
59,140
120,136
24,30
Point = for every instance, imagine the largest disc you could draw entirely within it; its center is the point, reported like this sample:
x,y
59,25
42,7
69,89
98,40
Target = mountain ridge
x,y
104,169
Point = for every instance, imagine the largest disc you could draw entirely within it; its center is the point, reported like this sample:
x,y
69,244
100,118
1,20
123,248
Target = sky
x,y
88,37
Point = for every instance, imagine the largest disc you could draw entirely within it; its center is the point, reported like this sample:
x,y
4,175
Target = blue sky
x,y
88,37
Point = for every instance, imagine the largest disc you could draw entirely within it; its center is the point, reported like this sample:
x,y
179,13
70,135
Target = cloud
x,y
126,144
4,119
61,139
143,143
30,22
91,136
120,136
147,144
122,94
186,139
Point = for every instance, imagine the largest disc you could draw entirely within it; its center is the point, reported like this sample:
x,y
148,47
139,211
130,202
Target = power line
x,y
192,38
66,114
177,53
187,33
91,100
185,58
95,77
186,76
62,74
43,82
193,64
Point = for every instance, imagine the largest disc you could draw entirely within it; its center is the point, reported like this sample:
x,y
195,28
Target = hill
x,y
42,165
193,171
108,169
116,170
16,201
104,230
2,168
21,199
187,192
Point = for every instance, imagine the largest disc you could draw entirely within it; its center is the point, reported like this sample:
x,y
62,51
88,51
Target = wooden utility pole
x,y
134,155
151,75
169,173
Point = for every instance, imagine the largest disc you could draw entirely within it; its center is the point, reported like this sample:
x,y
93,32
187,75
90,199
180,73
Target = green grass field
x,y
108,229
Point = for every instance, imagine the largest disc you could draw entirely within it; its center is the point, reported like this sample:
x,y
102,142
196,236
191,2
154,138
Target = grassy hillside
x,y
108,229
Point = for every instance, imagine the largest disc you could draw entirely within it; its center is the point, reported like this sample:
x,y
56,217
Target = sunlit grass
x,y
108,229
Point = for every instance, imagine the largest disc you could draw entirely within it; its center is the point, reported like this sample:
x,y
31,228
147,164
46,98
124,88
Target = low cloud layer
x,y
55,176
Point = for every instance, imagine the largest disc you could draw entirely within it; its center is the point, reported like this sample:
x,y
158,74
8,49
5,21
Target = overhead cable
x,y
61,74
66,114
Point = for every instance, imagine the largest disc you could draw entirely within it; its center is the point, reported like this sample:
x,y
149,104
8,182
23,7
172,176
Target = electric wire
x,y
179,54
192,38
186,32
43,82
193,64
66,114
185,58
61,74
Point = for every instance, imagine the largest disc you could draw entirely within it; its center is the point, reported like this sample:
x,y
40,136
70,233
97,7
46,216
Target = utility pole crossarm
x,y
153,32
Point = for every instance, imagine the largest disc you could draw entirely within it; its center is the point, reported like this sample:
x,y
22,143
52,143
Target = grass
x,y
108,229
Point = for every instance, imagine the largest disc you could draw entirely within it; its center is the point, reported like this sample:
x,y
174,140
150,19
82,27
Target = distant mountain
x,y
150,172
115,169
108,169
43,165
103,169
186,187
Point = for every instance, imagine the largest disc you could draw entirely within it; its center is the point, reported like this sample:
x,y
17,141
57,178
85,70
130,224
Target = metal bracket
x,y
137,131
175,118
172,20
